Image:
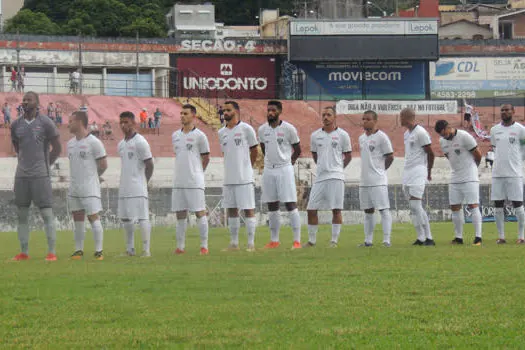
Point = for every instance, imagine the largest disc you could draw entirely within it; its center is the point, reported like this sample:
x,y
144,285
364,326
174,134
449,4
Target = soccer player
x,y
461,150
31,136
87,162
280,146
377,155
332,152
136,171
419,160
239,146
192,155
507,174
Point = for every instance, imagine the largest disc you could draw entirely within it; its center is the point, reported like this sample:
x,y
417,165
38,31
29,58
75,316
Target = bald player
x,y
419,160
507,174
31,136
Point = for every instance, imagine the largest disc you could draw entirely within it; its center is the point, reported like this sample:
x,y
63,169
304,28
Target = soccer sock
x,y
500,222
274,222
80,234
49,227
180,233
477,221
386,222
369,227
203,229
336,231
250,228
415,204
520,215
459,221
295,221
312,234
98,235
234,223
426,224
129,228
145,230
23,229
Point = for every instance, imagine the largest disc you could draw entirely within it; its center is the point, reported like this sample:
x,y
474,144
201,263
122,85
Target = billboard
x,y
234,77
365,80
477,77
364,27
122,84
394,107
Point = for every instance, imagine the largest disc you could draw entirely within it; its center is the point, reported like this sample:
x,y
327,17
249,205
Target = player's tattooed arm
x,y
254,152
102,165
476,153
56,149
430,159
296,152
347,158
389,159
149,168
205,159
263,149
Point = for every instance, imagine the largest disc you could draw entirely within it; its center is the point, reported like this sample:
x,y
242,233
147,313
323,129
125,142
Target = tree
x,y
146,28
29,22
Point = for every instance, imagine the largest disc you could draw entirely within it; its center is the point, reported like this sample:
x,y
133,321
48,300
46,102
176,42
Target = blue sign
x,y
487,213
127,85
365,80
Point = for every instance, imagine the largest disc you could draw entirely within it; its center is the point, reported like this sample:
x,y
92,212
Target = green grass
x,y
401,297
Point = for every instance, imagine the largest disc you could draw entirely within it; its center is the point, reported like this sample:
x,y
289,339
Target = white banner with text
x,y
394,107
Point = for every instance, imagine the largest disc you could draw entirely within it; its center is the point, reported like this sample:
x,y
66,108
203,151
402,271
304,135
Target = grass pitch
x,y
400,297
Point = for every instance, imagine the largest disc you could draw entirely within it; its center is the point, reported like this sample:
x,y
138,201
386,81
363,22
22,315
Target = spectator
x,y
13,79
489,158
93,129
151,124
58,114
6,110
221,115
144,118
20,80
108,133
19,111
51,111
83,108
74,82
157,115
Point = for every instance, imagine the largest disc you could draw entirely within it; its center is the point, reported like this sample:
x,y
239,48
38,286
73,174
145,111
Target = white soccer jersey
x,y
83,155
373,149
468,109
508,160
278,143
188,149
457,150
133,153
416,161
236,144
330,148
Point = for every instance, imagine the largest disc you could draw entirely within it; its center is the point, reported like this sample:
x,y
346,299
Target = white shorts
x,y
327,195
375,197
238,196
465,193
191,199
416,191
278,185
507,188
135,208
91,205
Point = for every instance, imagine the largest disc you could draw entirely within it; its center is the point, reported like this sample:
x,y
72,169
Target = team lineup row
x,y
331,149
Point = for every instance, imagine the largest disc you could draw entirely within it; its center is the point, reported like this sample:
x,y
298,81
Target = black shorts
x,y
37,190
467,117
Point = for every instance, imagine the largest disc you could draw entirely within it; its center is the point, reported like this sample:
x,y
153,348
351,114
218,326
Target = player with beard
x,y
507,174
280,145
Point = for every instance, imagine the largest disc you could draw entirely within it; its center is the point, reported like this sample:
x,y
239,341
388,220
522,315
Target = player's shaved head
x,y
332,108
127,115
35,95
371,113
191,108
82,116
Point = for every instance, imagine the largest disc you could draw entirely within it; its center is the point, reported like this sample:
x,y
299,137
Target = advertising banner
x,y
373,80
487,214
368,27
235,77
119,84
394,107
477,77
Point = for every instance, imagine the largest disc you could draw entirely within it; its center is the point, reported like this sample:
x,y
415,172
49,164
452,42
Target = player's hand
x,y
429,177
101,180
